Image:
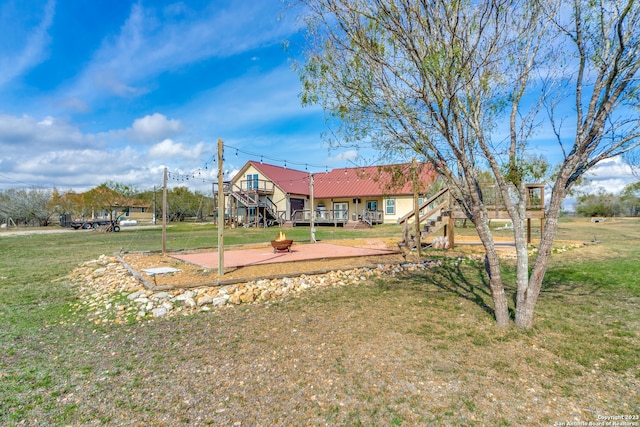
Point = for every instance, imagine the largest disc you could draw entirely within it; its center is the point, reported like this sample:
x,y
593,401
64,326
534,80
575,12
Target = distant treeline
x,y
40,207
627,203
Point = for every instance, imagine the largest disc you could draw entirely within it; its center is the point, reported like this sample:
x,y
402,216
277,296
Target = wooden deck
x,y
335,218
439,213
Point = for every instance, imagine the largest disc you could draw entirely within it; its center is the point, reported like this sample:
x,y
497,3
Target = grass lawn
x,y
415,349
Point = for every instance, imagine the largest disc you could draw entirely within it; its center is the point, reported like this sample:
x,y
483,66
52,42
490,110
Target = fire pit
x,y
281,243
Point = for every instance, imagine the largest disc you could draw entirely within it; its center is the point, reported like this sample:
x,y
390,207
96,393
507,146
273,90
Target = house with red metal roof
x,y
373,194
262,194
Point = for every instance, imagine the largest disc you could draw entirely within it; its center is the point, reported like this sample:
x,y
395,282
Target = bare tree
x,y
440,77
29,207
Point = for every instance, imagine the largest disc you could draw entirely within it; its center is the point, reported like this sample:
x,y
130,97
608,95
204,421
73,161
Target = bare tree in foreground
x,y
443,78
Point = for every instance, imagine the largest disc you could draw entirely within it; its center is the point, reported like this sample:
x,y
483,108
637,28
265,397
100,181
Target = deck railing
x,y
259,185
492,197
372,217
335,216
326,216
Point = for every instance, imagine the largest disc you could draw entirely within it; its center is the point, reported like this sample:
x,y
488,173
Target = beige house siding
x,y
330,205
137,215
279,197
403,205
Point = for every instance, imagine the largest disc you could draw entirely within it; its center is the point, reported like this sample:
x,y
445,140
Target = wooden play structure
x,y
439,212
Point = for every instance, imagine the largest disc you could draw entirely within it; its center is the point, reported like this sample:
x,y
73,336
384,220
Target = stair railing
x,y
424,205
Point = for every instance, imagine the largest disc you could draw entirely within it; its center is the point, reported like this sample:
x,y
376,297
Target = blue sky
x,y
115,90
103,90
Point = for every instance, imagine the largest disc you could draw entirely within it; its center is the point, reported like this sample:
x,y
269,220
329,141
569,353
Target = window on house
x,y
372,205
252,181
390,207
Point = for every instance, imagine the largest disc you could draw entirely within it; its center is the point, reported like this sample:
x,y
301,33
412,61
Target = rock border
x,y
111,291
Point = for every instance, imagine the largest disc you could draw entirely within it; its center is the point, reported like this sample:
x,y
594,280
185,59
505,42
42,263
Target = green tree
x,y
630,199
183,203
599,204
111,197
438,77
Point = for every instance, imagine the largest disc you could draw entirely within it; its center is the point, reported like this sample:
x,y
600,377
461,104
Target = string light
x,y
287,163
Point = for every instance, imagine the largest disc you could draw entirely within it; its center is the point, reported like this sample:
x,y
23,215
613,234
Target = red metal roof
x,y
289,180
371,181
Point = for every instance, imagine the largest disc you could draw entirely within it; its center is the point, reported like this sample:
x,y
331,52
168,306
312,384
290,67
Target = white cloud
x,y
610,175
78,169
18,133
155,126
148,129
47,121
169,150
71,162
345,156
47,152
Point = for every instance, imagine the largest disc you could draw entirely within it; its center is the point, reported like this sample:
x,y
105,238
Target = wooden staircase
x,y
252,200
356,225
434,212
434,225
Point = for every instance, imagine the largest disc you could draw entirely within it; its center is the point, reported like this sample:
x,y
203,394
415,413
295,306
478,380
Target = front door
x,y
296,206
341,210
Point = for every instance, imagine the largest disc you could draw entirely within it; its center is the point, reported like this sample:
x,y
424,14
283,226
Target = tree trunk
x,y
518,216
528,296
492,267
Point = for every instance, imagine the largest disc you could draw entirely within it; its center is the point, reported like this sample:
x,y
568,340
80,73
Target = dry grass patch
x,y
415,349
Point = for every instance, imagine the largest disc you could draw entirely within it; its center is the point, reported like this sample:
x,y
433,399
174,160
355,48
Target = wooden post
x,y
528,231
416,206
451,232
164,212
213,192
155,209
312,229
220,211
452,224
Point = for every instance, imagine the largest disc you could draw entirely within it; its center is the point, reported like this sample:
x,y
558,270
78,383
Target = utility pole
x,y
311,223
164,212
220,211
